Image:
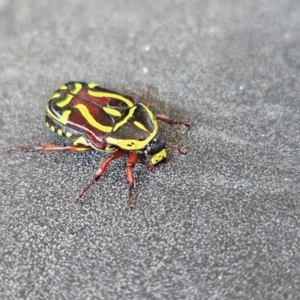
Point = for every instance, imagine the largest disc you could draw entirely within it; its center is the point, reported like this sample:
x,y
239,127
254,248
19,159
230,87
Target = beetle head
x,y
157,149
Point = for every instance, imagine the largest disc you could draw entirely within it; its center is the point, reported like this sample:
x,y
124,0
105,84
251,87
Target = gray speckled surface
x,y
220,223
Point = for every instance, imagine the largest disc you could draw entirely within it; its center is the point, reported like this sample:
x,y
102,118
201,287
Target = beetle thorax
x,y
135,130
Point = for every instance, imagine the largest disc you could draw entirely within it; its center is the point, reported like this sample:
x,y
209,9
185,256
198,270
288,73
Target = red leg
x,y
132,160
166,119
180,150
116,155
45,147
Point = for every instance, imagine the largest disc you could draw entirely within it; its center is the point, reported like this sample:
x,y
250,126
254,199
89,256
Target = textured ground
x,y
219,223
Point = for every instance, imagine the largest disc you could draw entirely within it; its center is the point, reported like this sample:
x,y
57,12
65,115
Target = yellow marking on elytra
x,y
63,87
47,124
68,134
65,101
92,85
55,95
65,116
109,95
140,125
85,142
77,87
63,119
87,115
111,111
81,141
59,132
110,148
52,128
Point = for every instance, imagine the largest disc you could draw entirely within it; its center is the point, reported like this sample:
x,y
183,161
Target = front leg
x,y
46,147
166,119
132,160
115,155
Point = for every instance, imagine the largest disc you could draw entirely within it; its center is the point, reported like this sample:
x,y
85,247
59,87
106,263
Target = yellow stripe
x,y
81,141
85,142
111,111
130,145
92,85
77,88
140,125
65,116
55,95
86,114
63,119
110,95
150,113
124,121
63,87
133,144
65,101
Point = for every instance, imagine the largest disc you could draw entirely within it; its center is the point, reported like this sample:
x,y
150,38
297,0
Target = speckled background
x,y
219,223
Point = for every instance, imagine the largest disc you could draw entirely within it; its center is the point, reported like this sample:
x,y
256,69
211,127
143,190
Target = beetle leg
x,y
150,167
180,150
115,155
46,147
166,119
131,161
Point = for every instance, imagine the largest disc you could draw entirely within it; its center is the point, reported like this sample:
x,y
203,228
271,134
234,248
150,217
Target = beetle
x,y
96,118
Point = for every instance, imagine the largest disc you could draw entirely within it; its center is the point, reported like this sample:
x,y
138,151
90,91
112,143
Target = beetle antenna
x,y
149,88
180,150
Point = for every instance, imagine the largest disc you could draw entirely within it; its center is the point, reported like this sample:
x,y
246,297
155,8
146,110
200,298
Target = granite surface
x,y
219,223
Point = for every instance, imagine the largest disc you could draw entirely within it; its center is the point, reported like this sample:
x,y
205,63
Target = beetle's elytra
x,y
97,118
